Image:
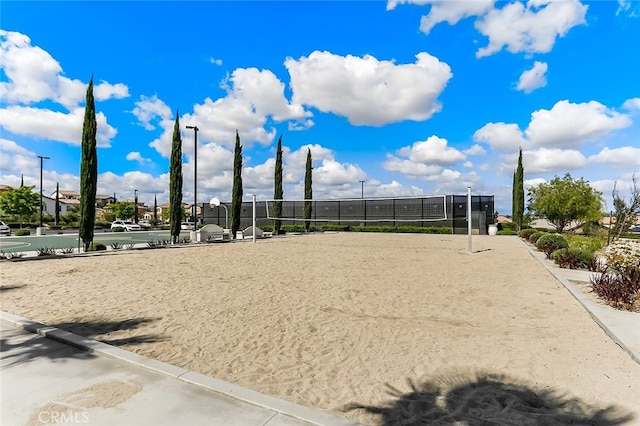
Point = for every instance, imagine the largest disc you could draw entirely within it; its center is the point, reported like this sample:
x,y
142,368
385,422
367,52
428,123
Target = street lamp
x,y
195,176
215,203
135,204
362,188
41,161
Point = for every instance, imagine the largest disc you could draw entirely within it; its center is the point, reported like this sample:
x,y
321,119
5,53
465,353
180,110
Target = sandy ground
x,y
378,328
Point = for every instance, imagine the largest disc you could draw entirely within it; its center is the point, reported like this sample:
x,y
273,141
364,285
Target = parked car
x,y
126,224
187,225
4,229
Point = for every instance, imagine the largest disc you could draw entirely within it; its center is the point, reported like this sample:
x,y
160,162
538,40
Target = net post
x,y
469,219
253,217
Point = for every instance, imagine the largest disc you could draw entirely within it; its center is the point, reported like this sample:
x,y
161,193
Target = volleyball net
x,y
426,208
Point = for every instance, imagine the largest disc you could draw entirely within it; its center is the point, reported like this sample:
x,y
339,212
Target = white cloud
x,y
432,151
452,12
410,168
394,189
34,76
569,125
424,160
627,156
105,90
629,8
445,10
52,125
15,159
367,91
632,104
150,109
565,125
215,61
546,160
136,156
265,92
534,78
252,97
475,150
332,172
532,28
501,136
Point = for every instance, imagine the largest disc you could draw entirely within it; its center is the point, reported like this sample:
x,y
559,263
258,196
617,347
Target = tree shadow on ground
x,y
100,331
17,348
488,399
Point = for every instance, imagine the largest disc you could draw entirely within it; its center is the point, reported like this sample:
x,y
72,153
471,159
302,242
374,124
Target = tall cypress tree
x,y
308,191
155,210
57,216
88,171
175,182
278,193
518,194
236,194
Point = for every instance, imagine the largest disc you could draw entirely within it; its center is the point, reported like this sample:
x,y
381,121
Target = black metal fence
x,y
412,211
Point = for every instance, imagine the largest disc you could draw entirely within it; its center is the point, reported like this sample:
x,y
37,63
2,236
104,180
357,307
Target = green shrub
x,y
297,228
22,232
575,259
586,243
334,227
533,238
526,233
117,229
548,243
507,232
509,225
97,247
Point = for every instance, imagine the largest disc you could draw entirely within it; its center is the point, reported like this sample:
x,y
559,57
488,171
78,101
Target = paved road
x,y
32,242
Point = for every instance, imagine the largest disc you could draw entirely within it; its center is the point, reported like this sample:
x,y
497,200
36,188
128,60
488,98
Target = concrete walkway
x,y
50,376
623,327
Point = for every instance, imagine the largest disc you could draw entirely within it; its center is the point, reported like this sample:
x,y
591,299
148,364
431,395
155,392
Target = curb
x,y
312,416
587,304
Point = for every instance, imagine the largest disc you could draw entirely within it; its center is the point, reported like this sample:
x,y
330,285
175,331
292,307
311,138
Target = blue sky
x,y
413,97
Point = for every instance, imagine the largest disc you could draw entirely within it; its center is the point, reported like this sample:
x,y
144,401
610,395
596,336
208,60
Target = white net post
x,y
469,249
253,217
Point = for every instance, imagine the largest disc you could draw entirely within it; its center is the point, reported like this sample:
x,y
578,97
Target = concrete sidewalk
x,y
44,379
622,327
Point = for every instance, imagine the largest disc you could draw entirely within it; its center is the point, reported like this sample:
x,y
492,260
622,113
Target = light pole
x,y
42,158
135,205
195,176
215,202
362,188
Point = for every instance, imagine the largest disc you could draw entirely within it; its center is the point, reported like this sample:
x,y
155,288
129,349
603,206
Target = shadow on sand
x,y
10,287
488,399
100,330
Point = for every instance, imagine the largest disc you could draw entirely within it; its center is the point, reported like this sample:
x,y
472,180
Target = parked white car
x,y
126,224
187,225
4,229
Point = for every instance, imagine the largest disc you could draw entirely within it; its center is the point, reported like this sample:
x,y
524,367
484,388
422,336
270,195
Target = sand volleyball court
x,y
377,328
